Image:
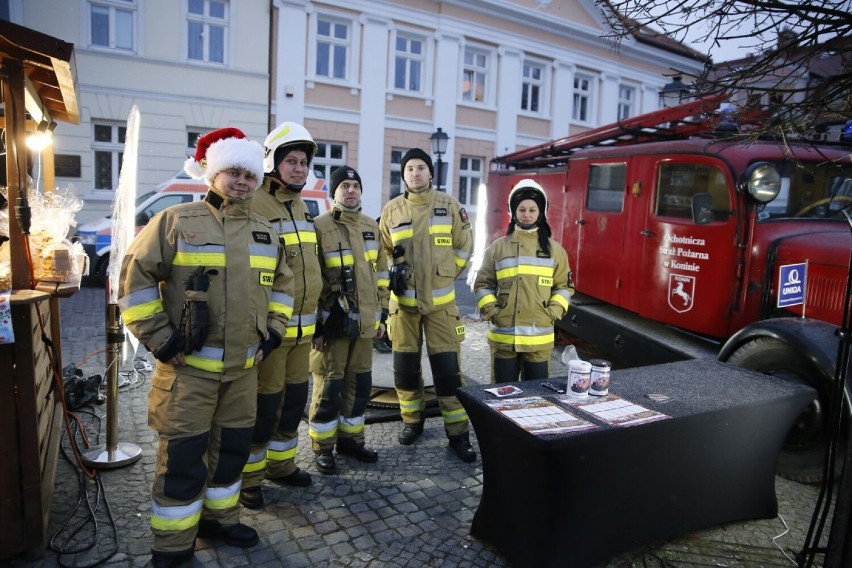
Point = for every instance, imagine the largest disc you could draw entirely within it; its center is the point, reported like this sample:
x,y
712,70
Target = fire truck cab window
x,y
678,183
820,191
606,188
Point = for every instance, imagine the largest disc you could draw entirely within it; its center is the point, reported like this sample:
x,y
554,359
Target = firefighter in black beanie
x,y
352,311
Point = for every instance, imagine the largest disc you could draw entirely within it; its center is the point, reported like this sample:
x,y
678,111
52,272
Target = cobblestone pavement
x,y
412,508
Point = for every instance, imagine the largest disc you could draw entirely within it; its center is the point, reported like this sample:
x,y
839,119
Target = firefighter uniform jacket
x,y
430,231
250,285
295,226
351,239
522,291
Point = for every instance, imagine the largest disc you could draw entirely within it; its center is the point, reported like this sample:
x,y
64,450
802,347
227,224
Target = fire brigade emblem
x,y
681,292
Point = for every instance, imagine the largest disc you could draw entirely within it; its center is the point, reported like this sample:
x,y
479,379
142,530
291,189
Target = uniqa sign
x,y
791,284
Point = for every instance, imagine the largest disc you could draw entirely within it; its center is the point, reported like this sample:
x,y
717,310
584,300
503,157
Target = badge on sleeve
x,y
463,215
261,237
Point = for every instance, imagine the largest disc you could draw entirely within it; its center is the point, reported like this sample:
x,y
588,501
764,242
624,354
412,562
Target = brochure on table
x,y
540,416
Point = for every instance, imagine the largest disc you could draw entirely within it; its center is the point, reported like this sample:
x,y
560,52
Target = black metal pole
x,y
438,181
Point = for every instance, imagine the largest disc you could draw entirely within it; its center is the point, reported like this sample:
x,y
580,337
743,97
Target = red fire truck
x,y
678,230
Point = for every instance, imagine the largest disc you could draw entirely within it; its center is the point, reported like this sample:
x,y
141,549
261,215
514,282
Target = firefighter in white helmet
x,y
283,377
523,288
427,235
205,287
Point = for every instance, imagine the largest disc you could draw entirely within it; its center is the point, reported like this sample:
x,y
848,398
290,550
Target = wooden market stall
x,y
39,88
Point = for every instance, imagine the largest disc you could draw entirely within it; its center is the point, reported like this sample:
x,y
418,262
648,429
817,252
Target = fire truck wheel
x,y
803,454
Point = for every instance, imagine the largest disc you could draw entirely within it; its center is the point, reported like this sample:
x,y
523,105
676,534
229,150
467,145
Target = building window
x,y
329,157
408,65
333,43
475,75
112,23
532,87
581,112
626,102
108,145
397,184
776,101
207,27
470,176
192,136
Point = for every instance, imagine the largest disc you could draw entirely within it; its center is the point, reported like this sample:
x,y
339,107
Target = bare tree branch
x,y
797,75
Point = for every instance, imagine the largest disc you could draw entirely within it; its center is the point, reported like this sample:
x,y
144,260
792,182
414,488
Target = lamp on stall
x,y
42,137
439,140
674,93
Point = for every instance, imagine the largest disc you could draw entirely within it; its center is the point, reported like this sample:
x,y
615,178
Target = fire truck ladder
x,y
682,121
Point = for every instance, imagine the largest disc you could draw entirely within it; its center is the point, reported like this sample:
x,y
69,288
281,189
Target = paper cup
x,y
579,377
599,377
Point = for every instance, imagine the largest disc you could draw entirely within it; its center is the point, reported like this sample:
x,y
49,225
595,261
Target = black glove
x,y
335,324
399,277
195,326
173,345
353,326
197,315
270,344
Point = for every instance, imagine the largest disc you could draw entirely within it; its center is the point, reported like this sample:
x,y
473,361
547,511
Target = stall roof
x,y
49,67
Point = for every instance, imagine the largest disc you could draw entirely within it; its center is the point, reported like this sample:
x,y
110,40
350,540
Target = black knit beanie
x,y
343,173
419,154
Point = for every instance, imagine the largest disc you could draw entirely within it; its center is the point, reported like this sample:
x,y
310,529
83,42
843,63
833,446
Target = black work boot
x,y
325,462
460,445
251,498
171,559
348,447
239,535
299,478
411,432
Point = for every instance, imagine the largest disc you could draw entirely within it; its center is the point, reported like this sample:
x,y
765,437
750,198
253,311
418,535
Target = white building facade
x,y
190,66
372,78
368,78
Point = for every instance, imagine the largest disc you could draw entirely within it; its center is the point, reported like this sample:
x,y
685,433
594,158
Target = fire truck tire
x,y
803,455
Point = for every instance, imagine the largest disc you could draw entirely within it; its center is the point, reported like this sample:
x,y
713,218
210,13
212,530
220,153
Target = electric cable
x,y
776,537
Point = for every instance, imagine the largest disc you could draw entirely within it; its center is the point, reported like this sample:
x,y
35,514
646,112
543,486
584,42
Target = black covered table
x,y
578,498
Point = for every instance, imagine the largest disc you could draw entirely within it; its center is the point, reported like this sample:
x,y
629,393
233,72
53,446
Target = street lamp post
x,y
439,140
674,93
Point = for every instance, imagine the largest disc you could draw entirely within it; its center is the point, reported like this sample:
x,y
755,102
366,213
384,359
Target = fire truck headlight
x,y
762,181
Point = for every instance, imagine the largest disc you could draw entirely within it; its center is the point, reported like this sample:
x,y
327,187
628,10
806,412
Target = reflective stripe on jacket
x,y
523,291
433,231
250,285
349,238
289,214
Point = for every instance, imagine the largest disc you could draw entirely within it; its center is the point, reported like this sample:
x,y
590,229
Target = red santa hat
x,y
222,149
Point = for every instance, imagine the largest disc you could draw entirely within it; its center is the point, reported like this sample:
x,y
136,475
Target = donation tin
x,y
600,377
579,377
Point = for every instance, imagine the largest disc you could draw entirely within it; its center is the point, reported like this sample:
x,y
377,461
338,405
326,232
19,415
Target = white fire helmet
x,y
527,189
286,134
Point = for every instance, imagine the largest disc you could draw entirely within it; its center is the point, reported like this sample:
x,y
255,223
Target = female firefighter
x,y
523,288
